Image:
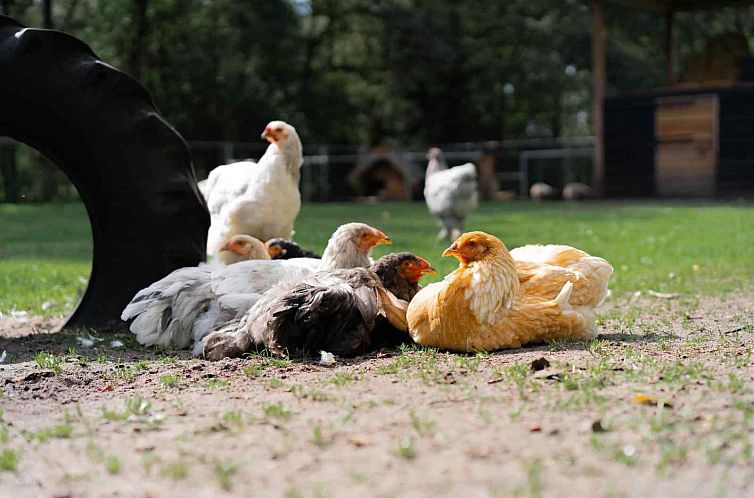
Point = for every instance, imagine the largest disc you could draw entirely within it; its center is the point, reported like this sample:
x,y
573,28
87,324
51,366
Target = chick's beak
x,y
426,267
265,133
381,238
274,251
225,247
450,251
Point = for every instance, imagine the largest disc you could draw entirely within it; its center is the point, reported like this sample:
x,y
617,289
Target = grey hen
x,y
335,311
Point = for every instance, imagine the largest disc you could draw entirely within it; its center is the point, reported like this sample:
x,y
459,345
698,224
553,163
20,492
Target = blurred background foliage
x,y
365,72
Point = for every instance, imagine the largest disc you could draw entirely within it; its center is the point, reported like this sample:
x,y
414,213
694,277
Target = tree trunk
x,y
47,14
137,54
9,172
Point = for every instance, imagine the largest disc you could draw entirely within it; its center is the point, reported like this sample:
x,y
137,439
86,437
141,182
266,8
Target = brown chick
x,y
482,306
242,248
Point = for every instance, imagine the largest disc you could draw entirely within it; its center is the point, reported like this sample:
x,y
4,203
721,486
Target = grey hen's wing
x,y
332,311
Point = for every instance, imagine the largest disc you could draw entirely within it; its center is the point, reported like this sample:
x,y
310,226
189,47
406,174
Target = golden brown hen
x,y
483,305
543,270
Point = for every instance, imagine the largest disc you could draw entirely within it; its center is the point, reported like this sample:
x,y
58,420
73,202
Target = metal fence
x,y
327,173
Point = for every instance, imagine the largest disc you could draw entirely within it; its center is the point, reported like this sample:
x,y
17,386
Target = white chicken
x,y
191,302
258,199
451,194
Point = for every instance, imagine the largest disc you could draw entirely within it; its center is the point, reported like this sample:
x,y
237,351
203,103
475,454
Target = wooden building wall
x,y
705,149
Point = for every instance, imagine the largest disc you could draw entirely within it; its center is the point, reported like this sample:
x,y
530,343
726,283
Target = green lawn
x,y
45,250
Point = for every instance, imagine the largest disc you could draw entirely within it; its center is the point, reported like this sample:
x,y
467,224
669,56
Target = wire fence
x,y
341,172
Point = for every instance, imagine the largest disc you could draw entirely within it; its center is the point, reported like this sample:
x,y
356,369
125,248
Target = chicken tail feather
x,y
564,295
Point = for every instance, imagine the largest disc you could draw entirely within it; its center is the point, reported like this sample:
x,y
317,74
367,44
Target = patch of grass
x,y
318,437
112,464
224,471
275,383
134,406
169,380
174,470
253,371
301,391
276,410
237,419
407,448
342,378
128,373
471,363
149,460
563,344
518,374
9,460
216,383
414,361
49,361
46,257
422,426
533,469
54,432
47,248
625,455
274,361
734,384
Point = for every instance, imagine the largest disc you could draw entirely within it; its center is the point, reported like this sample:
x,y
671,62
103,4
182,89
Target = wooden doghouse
x,y
382,175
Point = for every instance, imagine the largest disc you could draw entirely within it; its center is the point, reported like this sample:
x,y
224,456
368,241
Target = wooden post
x,y
488,184
47,14
670,45
598,93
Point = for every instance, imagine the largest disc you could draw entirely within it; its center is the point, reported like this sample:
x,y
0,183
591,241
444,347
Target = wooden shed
x,y
691,138
382,175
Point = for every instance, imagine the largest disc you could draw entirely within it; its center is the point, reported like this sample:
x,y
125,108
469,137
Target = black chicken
x,y
337,311
280,248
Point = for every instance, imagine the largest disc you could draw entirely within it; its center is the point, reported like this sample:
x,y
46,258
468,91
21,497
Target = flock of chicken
x,y
279,297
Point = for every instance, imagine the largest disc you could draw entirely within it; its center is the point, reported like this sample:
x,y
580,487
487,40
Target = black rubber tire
x,y
131,168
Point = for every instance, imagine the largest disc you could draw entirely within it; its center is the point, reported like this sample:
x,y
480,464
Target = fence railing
x,y
325,176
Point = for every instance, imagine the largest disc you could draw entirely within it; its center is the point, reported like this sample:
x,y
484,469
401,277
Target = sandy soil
x,y
661,404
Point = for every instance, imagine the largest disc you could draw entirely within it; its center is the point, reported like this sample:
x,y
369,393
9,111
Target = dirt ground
x,y
661,404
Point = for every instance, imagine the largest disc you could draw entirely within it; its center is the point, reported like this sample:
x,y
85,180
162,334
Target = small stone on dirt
x,y
326,359
37,376
539,364
358,441
598,427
